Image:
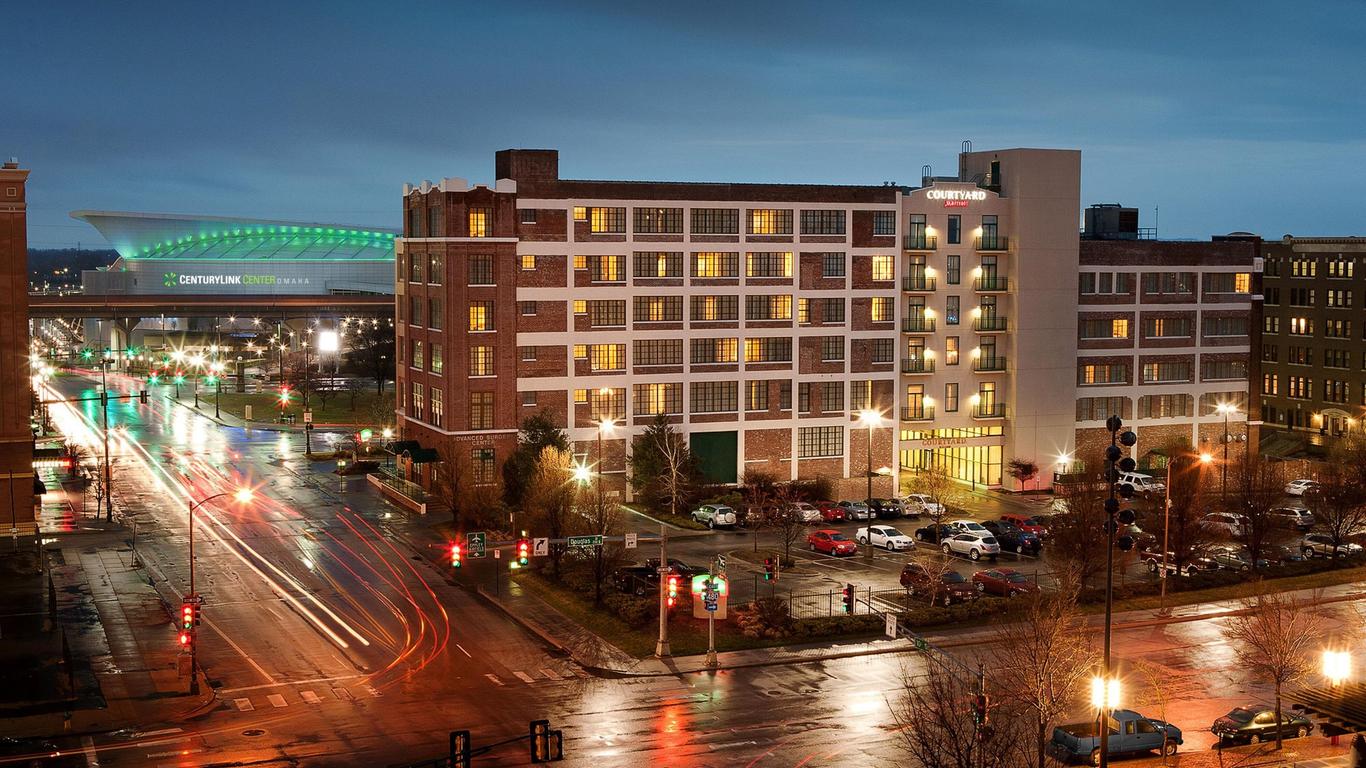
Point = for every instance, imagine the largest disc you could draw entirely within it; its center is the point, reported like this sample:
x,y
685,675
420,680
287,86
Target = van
x,y
1144,484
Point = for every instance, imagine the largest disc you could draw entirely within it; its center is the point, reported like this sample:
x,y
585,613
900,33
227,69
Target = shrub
x,y
815,489
637,612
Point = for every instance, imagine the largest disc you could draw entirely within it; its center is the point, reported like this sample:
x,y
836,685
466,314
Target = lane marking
x,y
343,694
176,753
243,705
162,732
92,759
524,677
372,690
462,650
310,681
495,679
276,700
549,673
310,697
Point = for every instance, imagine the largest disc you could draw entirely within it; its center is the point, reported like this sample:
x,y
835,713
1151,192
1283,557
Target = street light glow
x,y
581,473
243,495
328,341
1105,693
1337,666
869,417
1206,458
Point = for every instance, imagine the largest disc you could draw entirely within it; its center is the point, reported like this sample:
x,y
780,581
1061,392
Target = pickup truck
x,y
1130,732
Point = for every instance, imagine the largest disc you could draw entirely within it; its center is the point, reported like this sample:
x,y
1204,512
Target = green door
x,y
716,455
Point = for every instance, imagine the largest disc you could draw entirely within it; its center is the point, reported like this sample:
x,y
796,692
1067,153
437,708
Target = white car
x,y
884,536
1225,524
968,526
1299,487
974,545
807,513
715,515
856,510
1143,484
1321,545
920,504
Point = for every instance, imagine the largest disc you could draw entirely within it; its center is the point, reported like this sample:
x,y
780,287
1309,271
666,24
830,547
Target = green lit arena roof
x,y
175,236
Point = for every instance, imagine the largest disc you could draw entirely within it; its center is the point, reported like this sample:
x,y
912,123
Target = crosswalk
x,y
256,699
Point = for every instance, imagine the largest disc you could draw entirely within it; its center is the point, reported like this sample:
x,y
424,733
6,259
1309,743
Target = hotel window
x,y
756,396
714,351
434,221
657,309
436,269
1103,329
1271,353
712,396
607,357
883,268
1302,326
785,395
860,394
656,399
1304,268
438,365
607,313
1298,387
607,220
415,359
954,270
1168,282
1339,298
1271,324
770,221
1223,370
528,354
528,262
482,464
580,306
1337,329
1270,384
608,405
580,397
951,397
880,309
1335,391
832,396
768,307
1164,406
580,261
1340,268
822,222
768,349
526,215
1271,267
715,221
1337,358
881,350
768,264
415,304
481,410
438,407
658,221
481,361
526,308
820,442
415,403
832,310
803,311
658,352
1119,328
832,264
1100,408
436,314
1227,282
481,315
804,397
950,350
1271,295
1225,326
884,223
481,269
715,308
832,349
657,264
1166,372
607,269
415,268
1297,355
716,264
1103,373
1302,297
479,222
580,213
952,310
1166,327
955,229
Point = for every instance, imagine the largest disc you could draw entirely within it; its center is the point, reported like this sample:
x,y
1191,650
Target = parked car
x,y
967,526
884,536
831,542
1005,582
917,504
1026,523
933,533
1197,562
945,588
639,580
831,512
1141,537
1225,524
1130,733
1256,723
1143,484
1297,518
887,509
1321,545
974,545
715,516
1300,487
1283,553
1012,539
807,513
1237,559
856,510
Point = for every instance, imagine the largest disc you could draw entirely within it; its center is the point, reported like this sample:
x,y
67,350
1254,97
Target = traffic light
x,y
768,569
187,615
848,595
284,395
186,637
980,708
523,552
155,378
673,590
455,555
86,354
179,377
546,745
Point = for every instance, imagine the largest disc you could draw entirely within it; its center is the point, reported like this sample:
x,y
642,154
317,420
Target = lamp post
x,y
104,418
217,369
243,495
870,418
1205,459
198,362
1225,409
1115,463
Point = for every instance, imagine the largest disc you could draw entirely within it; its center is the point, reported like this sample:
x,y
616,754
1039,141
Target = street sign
x,y
475,543
497,554
584,541
710,599
921,645
540,547
308,417
891,625
713,589
630,541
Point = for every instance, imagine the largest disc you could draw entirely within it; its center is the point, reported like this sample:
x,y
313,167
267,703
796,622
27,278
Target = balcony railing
x,y
984,363
919,283
993,243
921,242
989,411
917,324
991,284
917,365
917,413
989,324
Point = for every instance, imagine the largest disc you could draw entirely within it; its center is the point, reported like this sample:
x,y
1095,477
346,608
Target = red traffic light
x,y
185,638
673,591
523,551
455,555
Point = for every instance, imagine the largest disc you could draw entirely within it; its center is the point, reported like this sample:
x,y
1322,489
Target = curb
x,y
528,625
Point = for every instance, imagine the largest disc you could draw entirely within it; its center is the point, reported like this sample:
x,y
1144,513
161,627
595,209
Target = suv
x,y
1225,524
888,508
1300,487
1197,562
1321,545
949,587
1026,523
974,545
1293,517
715,516
1143,484
917,504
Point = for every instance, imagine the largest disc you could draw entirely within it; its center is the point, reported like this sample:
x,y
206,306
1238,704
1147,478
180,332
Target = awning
x,y
399,446
423,455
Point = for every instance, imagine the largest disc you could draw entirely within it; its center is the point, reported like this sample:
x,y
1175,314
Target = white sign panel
x,y
540,547
630,541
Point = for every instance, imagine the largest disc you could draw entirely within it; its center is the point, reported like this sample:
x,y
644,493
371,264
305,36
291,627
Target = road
x,y
333,638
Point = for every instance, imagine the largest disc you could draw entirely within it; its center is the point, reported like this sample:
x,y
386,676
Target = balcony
x,y
989,411
917,283
989,324
917,324
921,242
917,365
984,364
993,243
917,413
991,284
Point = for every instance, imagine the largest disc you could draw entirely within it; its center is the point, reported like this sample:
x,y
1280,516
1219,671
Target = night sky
x,y
1227,116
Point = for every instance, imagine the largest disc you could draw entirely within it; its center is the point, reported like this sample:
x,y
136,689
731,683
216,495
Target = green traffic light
x,y
211,380
153,379
180,379
85,353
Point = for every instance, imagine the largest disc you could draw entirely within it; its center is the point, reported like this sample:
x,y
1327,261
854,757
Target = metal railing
x,y
989,411
917,365
917,413
989,324
992,363
921,242
917,283
993,243
917,324
991,284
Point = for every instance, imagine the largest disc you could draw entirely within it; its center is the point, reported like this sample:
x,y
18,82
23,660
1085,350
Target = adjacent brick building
x,y
16,436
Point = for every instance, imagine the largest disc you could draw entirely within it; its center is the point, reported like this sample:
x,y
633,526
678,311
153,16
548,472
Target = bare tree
x,y
602,517
472,504
759,490
785,519
1076,531
1339,500
1275,637
1189,494
937,723
353,388
1254,491
936,483
549,500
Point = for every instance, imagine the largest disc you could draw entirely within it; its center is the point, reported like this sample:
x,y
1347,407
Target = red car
x,y
1026,523
1005,582
831,543
831,512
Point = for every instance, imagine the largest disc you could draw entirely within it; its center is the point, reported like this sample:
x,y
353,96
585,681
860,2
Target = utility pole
x,y
108,470
662,645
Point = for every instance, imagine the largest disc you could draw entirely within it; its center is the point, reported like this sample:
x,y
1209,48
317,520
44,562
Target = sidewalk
x,y
229,420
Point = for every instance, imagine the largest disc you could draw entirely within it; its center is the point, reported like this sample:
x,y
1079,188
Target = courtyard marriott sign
x,y
956,198
175,279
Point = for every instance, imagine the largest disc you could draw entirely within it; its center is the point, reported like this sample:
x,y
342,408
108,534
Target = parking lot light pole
x,y
662,644
870,419
1225,409
243,496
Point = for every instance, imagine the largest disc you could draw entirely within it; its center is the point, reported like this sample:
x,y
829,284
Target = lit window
x,y
715,264
580,306
580,213
882,268
881,309
580,351
580,396
770,221
803,311
580,262
528,261
606,220
479,222
1242,282
1119,328
481,361
481,315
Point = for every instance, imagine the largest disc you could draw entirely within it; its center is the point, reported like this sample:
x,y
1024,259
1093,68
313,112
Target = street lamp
x,y
870,418
198,362
1205,459
217,369
1105,694
243,496
1225,409
1337,667
582,474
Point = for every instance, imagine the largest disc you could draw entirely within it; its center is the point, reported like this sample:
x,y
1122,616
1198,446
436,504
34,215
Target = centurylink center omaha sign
x,y
175,280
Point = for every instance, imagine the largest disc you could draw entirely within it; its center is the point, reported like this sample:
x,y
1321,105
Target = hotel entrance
x,y
971,456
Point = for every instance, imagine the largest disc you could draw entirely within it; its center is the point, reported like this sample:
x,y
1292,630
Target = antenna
x,y
1156,219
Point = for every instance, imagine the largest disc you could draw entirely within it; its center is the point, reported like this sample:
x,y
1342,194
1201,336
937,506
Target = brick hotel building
x,y
762,319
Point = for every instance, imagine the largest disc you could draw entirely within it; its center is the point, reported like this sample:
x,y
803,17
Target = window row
x,y
724,221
